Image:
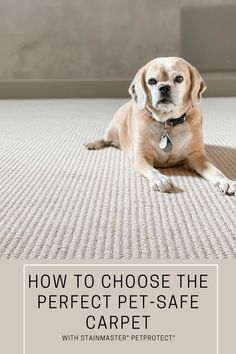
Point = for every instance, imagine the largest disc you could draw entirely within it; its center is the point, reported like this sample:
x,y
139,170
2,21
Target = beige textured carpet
x,y
58,200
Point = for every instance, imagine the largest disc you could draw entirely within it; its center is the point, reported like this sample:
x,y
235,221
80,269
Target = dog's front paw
x,y
163,184
226,186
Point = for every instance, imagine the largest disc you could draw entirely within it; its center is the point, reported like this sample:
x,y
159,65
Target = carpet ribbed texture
x,y
58,200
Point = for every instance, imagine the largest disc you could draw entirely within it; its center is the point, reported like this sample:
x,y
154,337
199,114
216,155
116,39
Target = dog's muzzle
x,y
165,90
165,95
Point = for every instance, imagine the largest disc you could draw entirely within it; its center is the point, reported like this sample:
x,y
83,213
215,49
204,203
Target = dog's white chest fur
x,y
180,138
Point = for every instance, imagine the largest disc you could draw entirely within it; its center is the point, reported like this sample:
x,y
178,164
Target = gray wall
x,y
88,39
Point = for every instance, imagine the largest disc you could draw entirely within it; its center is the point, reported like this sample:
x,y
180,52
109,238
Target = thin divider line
x,y
217,309
24,266
118,265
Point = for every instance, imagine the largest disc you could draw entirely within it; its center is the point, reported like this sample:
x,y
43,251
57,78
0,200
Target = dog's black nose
x,y
165,90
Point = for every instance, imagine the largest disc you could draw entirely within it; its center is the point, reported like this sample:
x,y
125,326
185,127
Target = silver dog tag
x,y
165,144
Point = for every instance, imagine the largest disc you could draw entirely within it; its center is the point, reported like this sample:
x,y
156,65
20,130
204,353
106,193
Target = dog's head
x,y
167,85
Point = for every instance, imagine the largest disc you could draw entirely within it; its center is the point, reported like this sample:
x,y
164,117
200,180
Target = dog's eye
x,y
179,79
152,81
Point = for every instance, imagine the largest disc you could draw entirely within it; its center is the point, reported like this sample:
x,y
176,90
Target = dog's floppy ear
x,y
198,86
137,89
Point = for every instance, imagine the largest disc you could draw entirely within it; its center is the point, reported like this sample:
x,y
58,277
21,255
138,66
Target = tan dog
x,y
162,125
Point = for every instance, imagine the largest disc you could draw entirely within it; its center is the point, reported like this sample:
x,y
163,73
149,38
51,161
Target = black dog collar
x,y
165,142
171,121
175,121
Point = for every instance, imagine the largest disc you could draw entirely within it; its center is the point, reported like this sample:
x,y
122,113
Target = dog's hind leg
x,y
110,139
98,144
